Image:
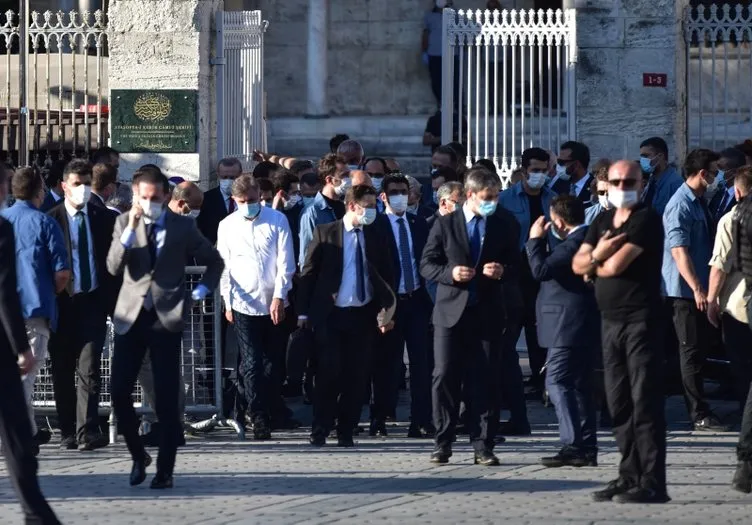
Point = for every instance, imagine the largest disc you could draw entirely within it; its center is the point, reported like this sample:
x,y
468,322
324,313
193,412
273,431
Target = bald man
x,y
360,177
186,199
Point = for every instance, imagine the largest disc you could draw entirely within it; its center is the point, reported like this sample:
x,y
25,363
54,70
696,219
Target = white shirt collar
x,y
393,217
581,226
469,214
581,183
73,211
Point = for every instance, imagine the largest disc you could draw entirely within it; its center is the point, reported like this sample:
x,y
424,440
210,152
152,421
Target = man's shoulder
x,y
58,210
330,226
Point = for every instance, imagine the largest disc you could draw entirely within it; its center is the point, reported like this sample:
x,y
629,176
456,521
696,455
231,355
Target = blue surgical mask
x,y
307,201
368,216
486,208
413,209
377,183
647,165
436,198
250,210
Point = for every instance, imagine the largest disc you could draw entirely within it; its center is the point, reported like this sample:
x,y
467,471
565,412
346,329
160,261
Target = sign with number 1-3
x,y
655,80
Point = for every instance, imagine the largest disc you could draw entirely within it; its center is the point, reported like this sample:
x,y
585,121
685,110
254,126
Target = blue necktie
x,y
83,252
360,277
475,240
722,205
405,259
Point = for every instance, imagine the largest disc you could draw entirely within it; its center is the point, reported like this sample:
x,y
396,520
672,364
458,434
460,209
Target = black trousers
x,y
411,330
343,345
633,370
147,333
435,71
459,352
692,332
744,447
737,340
76,352
511,386
15,434
536,354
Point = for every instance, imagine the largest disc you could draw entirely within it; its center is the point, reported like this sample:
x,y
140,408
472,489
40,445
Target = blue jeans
x,y
569,381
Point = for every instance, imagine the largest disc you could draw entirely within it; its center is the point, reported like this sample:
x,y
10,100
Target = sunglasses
x,y
626,183
602,192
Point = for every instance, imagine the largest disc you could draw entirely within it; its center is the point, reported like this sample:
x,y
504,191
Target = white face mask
x,y
292,201
152,210
536,180
193,214
603,201
225,186
79,195
398,203
342,188
561,171
623,199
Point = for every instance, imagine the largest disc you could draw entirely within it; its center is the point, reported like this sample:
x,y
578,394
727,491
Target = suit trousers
x,y
569,379
737,340
148,334
410,329
344,344
633,370
76,353
462,352
511,386
692,330
259,344
16,438
536,354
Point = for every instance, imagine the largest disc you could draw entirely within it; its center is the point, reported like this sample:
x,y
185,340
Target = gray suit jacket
x,y
166,280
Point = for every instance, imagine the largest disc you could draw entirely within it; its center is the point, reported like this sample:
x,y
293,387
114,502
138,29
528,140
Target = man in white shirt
x,y
256,245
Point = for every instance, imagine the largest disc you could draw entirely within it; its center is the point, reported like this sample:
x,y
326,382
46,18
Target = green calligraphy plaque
x,y
154,121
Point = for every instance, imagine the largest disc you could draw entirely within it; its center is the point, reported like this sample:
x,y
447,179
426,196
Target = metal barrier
x,y
201,365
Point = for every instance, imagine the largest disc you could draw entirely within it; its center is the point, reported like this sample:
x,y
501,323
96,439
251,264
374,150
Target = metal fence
x,y
509,75
719,74
201,365
241,112
53,101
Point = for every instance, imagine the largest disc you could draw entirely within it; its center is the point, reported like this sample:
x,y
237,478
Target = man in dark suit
x,y
83,307
723,198
407,235
103,186
53,179
218,202
345,294
466,254
149,248
572,175
568,327
15,354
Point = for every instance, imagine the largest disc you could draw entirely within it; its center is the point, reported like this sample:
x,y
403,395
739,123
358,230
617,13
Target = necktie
x,y
475,240
406,260
230,205
573,190
83,253
151,238
360,277
722,206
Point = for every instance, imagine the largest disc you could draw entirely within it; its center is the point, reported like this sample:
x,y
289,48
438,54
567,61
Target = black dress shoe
x,y
499,439
418,432
345,441
642,495
317,440
441,455
710,424
161,481
568,457
510,428
261,432
486,458
42,437
743,477
68,443
93,442
377,428
138,472
614,488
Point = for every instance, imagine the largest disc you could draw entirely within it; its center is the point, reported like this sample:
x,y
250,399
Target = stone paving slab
x,y
222,481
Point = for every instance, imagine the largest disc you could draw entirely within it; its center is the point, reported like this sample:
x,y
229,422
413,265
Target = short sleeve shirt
x,y
635,295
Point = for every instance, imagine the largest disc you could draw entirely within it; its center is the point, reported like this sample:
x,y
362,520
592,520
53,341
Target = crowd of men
x,y
632,268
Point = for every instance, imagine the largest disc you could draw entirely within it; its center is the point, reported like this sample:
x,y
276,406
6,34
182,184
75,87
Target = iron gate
x,y
53,90
514,81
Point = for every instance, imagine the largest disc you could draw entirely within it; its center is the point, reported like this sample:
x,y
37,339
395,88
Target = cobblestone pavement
x,y
387,480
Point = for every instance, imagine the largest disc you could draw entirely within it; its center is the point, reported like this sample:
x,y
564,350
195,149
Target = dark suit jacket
x,y
566,311
419,234
97,202
213,210
102,223
448,246
430,220
293,218
12,328
562,187
49,202
321,276
715,202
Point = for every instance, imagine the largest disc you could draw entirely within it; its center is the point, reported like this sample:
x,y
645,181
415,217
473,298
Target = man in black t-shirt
x,y
623,253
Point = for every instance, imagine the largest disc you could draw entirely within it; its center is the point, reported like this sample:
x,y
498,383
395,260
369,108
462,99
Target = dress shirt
x,y
413,263
580,184
55,196
665,186
348,295
40,253
591,212
129,235
320,212
469,214
227,201
731,297
515,200
259,261
75,263
686,225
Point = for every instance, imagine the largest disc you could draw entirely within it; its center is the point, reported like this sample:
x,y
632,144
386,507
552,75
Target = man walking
x,y
466,254
256,246
149,247
623,249
568,326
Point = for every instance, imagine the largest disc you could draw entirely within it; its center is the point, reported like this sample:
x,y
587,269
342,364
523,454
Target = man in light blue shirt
x,y
688,246
664,179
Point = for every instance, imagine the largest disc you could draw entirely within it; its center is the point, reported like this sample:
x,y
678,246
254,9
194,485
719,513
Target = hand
x,y
229,317
302,323
608,245
714,313
539,228
279,200
701,299
493,270
277,311
134,215
26,362
462,274
388,326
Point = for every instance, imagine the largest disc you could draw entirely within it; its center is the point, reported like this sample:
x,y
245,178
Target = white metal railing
x,y
53,99
719,74
515,82
241,118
